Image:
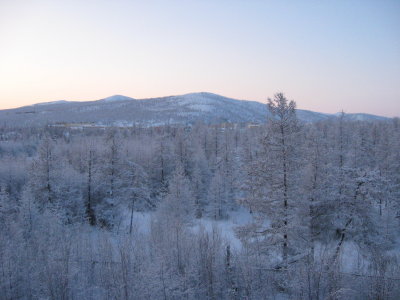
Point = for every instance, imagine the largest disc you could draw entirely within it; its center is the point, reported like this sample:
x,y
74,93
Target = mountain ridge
x,y
185,109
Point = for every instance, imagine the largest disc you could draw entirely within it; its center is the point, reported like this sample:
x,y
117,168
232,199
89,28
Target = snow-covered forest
x,y
136,213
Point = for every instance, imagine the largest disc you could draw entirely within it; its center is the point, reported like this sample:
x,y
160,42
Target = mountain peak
x,y
117,98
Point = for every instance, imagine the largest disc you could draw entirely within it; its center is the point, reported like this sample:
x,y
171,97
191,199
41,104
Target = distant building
x,y
214,126
227,126
240,125
253,125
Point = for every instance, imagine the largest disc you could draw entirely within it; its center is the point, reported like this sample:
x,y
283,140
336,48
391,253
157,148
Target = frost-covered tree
x,y
182,150
112,160
274,196
200,179
7,208
44,172
137,192
89,201
217,198
179,203
111,170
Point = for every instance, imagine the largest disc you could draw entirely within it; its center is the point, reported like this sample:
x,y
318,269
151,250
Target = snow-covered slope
x,y
183,109
53,102
364,117
117,98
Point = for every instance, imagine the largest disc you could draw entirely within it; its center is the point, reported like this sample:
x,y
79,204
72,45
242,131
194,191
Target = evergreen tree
x,y
274,196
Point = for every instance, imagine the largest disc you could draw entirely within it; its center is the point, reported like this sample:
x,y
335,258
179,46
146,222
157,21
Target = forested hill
x,y
124,111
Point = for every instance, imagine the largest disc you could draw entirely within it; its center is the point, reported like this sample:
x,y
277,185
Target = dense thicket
x,y
324,200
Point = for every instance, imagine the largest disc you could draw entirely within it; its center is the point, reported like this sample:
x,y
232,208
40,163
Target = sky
x,y
328,56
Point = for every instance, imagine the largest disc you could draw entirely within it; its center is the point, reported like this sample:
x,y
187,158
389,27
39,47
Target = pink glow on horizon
x,y
327,57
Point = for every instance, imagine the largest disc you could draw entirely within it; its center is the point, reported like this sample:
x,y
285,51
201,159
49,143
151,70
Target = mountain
x,y
117,98
53,102
362,117
125,111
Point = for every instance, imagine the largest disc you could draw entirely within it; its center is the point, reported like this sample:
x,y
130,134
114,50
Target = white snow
x,y
53,102
117,98
194,102
141,221
236,218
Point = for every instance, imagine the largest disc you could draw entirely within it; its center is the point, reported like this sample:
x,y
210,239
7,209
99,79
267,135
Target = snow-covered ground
x,y
236,218
141,222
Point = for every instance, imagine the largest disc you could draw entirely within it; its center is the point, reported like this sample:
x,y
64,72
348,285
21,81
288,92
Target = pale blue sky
x,y
325,55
